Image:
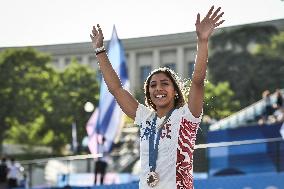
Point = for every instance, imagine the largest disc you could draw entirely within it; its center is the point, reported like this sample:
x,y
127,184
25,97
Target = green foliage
x,y
23,74
29,134
239,70
23,77
77,86
239,39
37,103
271,63
218,99
274,49
233,59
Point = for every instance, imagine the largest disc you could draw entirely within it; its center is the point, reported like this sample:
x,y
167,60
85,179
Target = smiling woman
x,y
163,82
168,125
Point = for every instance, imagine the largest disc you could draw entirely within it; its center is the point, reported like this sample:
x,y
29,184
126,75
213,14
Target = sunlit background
x,y
51,90
33,22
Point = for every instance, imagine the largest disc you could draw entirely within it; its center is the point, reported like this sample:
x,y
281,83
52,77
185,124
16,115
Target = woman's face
x,y
162,91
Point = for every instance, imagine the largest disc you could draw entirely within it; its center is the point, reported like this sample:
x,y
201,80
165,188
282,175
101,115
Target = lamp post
x,y
89,107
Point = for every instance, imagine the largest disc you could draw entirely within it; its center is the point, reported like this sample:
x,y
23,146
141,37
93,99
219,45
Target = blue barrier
x,y
246,158
252,181
134,185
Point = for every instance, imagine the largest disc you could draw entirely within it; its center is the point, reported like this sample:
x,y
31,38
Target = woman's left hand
x,y
205,27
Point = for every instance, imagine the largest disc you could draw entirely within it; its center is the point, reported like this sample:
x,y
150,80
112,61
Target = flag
x,y
91,131
109,116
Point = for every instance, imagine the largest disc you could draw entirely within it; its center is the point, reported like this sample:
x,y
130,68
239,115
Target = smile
x,y
160,96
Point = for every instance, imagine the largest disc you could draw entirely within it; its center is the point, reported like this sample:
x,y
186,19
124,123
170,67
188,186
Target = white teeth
x,y
160,96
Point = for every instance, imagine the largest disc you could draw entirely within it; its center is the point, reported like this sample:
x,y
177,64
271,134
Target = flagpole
x,y
110,115
74,138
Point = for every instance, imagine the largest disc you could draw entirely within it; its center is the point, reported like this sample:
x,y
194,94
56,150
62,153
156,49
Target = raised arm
x,y
126,101
204,29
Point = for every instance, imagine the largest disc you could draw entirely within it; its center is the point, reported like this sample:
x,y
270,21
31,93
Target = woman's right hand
x,y
97,37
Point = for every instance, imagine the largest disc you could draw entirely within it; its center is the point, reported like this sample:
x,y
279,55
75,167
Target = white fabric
x,y
168,146
13,171
282,130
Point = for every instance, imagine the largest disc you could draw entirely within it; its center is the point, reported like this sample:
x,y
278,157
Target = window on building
x,y
79,59
92,59
190,69
171,66
92,62
67,61
144,72
55,62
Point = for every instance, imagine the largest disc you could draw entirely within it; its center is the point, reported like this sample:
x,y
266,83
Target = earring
x,y
176,96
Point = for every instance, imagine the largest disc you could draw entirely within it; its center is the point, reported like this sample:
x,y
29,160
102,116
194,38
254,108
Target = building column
x,y
85,60
180,62
132,70
156,58
61,62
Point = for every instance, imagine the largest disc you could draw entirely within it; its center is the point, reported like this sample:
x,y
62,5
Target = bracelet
x,y
100,50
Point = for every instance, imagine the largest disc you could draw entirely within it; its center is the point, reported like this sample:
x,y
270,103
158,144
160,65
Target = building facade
x,y
176,51
144,54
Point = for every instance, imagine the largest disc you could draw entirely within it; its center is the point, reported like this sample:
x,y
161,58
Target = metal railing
x,y
244,116
44,172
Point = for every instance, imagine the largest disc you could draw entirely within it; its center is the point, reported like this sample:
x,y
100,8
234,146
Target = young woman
x,y
168,125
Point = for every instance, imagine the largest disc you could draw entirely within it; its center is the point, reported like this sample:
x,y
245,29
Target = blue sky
x,y
41,22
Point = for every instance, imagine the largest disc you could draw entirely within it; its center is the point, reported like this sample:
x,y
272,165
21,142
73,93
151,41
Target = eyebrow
x,y
162,80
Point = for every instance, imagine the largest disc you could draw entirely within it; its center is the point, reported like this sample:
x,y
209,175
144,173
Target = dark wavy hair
x,y
179,98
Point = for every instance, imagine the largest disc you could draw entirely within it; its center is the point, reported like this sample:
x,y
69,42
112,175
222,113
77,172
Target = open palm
x,y
205,27
97,37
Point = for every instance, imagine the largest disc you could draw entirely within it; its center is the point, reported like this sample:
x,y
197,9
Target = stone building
x,y
176,51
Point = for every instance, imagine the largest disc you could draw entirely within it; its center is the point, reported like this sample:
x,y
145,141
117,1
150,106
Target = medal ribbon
x,y
153,148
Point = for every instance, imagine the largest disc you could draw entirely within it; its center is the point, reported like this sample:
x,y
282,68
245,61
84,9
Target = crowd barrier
x,y
134,185
255,149
253,181
256,154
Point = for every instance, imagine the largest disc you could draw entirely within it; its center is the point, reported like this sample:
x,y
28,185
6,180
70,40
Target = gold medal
x,y
152,179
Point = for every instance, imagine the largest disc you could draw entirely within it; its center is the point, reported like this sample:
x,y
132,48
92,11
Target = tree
x,y
37,103
218,99
78,85
240,39
270,60
232,60
274,49
24,78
